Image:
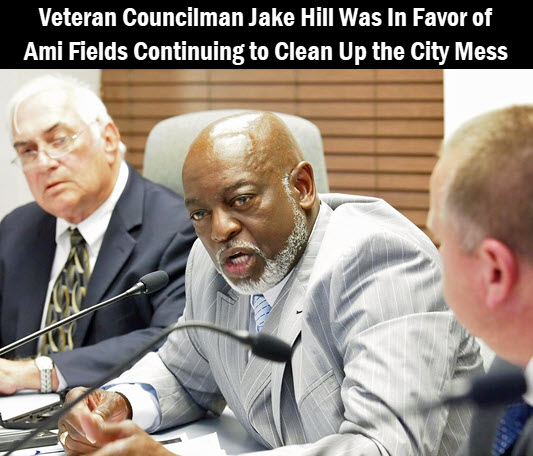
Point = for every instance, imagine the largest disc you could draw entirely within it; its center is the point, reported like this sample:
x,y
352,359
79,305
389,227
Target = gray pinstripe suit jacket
x,y
372,338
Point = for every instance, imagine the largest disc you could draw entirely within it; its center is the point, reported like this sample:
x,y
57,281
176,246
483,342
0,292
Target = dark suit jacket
x,y
485,424
149,230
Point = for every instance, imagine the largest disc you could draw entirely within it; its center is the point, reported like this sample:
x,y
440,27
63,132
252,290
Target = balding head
x,y
251,197
259,139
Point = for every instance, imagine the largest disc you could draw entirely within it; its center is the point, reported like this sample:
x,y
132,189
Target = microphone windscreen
x,y
498,388
270,347
154,281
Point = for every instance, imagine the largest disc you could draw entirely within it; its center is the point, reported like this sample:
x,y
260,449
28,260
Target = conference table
x,y
232,437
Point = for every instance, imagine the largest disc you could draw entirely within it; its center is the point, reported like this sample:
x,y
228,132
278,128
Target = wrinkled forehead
x,y
227,158
235,139
43,110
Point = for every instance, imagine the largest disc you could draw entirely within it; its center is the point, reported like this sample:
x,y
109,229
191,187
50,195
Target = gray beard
x,y
275,270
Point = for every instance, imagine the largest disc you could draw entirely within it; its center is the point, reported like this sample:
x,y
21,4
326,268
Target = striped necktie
x,y
261,309
67,295
511,425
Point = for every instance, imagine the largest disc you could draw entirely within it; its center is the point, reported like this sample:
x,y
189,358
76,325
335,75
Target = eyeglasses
x,y
28,153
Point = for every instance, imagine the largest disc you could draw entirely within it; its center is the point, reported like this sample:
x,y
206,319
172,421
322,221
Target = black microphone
x,y
501,387
494,388
262,345
147,284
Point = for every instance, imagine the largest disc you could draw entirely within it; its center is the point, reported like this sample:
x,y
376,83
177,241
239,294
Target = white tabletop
x,y
232,436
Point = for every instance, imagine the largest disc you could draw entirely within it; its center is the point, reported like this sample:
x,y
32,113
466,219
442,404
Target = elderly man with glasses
x,y
95,227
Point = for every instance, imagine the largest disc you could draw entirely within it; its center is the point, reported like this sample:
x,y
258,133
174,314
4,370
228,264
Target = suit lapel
x,y
116,248
236,380
39,252
524,444
290,302
293,303
256,376
232,313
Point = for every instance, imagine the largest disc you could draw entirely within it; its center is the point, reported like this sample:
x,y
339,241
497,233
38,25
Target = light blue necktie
x,y
511,426
261,309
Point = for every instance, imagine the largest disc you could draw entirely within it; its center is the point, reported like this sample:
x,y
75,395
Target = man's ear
x,y
111,137
499,270
302,179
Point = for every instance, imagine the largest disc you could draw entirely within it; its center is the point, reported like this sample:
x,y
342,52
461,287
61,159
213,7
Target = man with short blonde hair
x,y
489,184
482,215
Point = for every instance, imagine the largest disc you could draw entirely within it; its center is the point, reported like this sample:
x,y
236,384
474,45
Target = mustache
x,y
237,243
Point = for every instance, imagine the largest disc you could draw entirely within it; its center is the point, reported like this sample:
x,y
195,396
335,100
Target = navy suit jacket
x,y
148,230
484,427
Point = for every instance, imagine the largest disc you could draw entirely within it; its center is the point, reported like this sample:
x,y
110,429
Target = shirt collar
x,y
528,397
272,294
90,227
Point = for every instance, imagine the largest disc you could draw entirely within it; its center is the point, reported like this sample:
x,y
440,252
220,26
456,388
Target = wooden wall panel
x,y
381,128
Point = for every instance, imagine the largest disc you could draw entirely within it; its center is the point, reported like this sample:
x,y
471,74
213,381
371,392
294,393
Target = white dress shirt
x,y
92,229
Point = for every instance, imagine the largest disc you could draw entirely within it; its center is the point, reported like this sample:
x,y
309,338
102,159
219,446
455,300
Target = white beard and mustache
x,y
276,269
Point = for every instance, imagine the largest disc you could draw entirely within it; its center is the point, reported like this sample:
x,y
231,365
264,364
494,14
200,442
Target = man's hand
x,y
18,375
80,429
124,439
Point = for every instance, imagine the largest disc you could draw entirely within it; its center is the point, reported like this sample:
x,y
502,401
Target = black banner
x,y
250,37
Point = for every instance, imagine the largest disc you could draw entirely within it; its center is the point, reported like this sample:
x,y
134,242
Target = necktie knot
x,y
262,309
75,237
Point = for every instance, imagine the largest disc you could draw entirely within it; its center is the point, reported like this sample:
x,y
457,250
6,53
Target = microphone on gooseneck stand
x,y
263,345
147,284
150,283
494,388
501,387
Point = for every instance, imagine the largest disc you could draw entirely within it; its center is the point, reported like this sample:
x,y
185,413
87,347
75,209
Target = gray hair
x,y
81,98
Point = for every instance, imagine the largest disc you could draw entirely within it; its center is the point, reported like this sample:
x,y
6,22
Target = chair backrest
x,y
169,141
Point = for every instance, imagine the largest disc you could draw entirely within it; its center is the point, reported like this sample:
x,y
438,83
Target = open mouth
x,y
237,263
239,258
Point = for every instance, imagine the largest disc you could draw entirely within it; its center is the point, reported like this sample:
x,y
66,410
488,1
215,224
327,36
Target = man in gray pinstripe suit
x,y
354,287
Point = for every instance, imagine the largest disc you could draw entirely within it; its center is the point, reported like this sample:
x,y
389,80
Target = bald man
x,y
350,283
